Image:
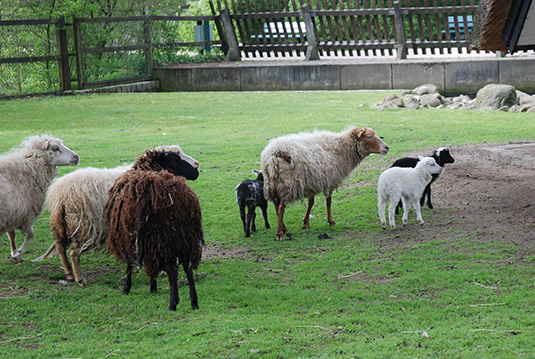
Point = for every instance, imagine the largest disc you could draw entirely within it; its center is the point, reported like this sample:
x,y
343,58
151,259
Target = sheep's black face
x,y
177,166
444,156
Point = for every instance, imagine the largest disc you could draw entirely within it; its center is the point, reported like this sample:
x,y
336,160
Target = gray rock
x,y
494,97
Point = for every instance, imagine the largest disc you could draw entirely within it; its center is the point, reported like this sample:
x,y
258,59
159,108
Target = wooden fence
x,y
82,44
266,28
345,28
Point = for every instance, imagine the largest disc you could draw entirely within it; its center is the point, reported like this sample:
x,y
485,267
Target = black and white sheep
x,y
25,174
441,155
303,165
407,184
154,219
76,202
250,194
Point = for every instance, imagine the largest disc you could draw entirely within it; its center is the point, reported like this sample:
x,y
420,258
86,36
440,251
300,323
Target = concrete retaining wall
x,y
451,76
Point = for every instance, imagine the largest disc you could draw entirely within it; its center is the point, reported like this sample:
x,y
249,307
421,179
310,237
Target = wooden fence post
x,y
82,81
401,46
233,53
148,42
63,49
312,48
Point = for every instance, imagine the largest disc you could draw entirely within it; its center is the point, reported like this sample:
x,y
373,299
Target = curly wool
x,y
153,219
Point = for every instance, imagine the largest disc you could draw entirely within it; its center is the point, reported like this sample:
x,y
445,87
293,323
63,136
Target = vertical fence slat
x,y
63,49
80,66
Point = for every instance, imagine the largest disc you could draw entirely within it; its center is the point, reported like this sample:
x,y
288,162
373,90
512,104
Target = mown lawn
x,y
357,295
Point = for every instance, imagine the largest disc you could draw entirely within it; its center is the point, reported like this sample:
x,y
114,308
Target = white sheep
x,y
303,165
406,184
76,202
25,174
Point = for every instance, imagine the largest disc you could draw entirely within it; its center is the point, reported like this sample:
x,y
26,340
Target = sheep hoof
x,y
421,222
405,222
393,227
82,283
17,257
280,237
383,225
306,224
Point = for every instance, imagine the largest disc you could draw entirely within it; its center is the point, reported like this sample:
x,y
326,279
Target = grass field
x,y
349,297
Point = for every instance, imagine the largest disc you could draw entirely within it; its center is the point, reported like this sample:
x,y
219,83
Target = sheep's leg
x,y
77,269
191,284
16,256
328,201
128,278
247,222
242,216
306,220
62,252
252,210
153,285
418,212
173,287
265,215
392,213
382,206
281,228
427,192
406,206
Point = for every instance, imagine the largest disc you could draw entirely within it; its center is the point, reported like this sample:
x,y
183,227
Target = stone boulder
x,y
495,97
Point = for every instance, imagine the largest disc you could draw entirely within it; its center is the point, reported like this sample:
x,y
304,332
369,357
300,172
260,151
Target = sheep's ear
x,y
420,157
256,172
359,132
46,145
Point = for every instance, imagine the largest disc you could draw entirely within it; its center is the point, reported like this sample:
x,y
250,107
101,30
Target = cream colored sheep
x,y
25,174
76,202
303,165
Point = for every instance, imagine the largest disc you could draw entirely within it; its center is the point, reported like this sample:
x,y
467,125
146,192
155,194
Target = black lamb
x,y
441,155
250,194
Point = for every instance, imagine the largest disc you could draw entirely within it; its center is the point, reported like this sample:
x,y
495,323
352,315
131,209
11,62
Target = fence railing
x,y
349,28
78,51
310,28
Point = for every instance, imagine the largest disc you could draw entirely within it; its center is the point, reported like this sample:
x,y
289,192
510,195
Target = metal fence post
x,y
233,53
312,48
401,46
63,49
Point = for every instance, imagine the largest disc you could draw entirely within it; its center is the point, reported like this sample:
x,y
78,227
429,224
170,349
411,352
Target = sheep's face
x,y
176,149
443,155
60,154
370,141
173,162
429,164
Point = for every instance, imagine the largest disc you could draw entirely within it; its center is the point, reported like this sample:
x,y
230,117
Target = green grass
x,y
359,295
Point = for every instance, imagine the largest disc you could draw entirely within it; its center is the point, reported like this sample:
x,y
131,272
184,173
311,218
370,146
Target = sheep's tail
x,y
51,251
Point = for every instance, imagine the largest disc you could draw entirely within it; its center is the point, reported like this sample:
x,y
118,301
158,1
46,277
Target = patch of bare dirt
x,y
479,197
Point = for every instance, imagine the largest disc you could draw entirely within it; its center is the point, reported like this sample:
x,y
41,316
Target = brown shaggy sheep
x,y
154,219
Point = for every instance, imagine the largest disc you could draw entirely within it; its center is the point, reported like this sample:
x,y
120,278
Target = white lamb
x,y
25,174
406,184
